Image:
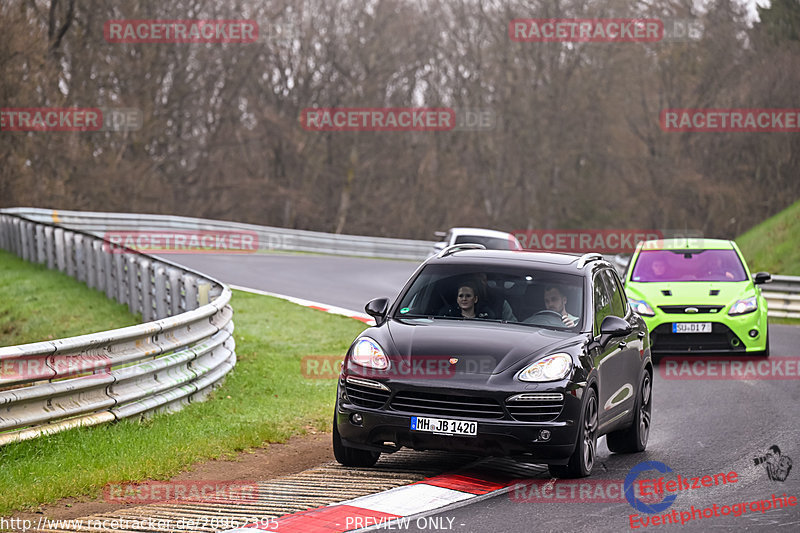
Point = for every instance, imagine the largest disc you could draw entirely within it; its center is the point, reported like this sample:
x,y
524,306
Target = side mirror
x,y
762,277
441,234
377,309
612,326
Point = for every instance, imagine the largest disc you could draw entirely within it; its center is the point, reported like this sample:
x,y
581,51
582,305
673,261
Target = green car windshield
x,y
688,265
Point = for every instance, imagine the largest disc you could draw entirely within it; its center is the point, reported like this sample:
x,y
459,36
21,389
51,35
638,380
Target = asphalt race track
x,y
700,427
348,282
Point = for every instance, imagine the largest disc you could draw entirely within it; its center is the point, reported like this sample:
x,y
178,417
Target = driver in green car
x,y
554,300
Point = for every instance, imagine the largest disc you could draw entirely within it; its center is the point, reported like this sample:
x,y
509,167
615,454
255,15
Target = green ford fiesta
x,y
697,296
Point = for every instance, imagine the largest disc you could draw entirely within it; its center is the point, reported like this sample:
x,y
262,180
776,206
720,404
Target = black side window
x,y
602,301
618,306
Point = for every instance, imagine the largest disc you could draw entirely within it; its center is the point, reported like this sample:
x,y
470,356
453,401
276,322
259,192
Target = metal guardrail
x,y
184,349
783,296
269,238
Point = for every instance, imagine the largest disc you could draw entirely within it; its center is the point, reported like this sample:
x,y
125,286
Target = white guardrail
x,y
184,348
783,296
269,238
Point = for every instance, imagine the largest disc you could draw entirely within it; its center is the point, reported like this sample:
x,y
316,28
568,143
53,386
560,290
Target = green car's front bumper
x,y
728,333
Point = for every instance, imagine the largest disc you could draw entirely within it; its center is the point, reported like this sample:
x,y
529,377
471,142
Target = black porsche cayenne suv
x,y
499,353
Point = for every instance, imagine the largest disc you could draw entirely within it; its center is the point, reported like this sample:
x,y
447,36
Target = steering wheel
x,y
553,317
548,312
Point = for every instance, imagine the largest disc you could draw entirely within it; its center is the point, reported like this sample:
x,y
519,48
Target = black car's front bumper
x,y
386,429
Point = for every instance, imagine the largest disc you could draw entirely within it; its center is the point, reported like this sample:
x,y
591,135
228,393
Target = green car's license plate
x,y
691,327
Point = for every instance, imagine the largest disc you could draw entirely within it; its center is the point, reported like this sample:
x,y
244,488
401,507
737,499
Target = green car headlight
x,y
744,306
642,307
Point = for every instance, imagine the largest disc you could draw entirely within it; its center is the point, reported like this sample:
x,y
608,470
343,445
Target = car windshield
x,y
518,295
490,243
688,265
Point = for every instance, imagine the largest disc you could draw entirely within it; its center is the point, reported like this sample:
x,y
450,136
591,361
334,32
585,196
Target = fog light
x,y
544,434
753,333
356,419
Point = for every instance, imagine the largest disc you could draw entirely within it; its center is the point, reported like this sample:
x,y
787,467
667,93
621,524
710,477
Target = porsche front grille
x,y
426,403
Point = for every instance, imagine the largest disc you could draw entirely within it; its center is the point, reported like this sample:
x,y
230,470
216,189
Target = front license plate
x,y
691,327
444,426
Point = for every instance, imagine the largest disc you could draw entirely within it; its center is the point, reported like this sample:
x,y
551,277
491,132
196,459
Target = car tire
x,y
348,456
634,438
582,460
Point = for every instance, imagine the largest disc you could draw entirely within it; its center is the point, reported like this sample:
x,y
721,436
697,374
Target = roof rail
x,y
588,258
458,247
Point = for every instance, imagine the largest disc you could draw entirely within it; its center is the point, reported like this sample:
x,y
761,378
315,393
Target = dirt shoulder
x,y
275,460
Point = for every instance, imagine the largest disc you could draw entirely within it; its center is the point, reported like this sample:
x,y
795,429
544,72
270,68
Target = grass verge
x,y
264,399
33,295
772,246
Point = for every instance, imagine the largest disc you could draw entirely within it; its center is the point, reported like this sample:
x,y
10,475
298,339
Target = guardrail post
x,y
99,265
120,276
145,268
69,253
174,290
25,242
58,241
161,291
134,287
203,290
39,244
91,263
3,232
79,257
108,271
190,292
49,248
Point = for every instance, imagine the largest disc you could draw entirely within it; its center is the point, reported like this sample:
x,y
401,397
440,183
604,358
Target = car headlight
x,y
369,353
642,307
550,368
746,305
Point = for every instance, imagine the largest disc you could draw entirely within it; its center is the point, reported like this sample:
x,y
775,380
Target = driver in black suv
x,y
555,300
